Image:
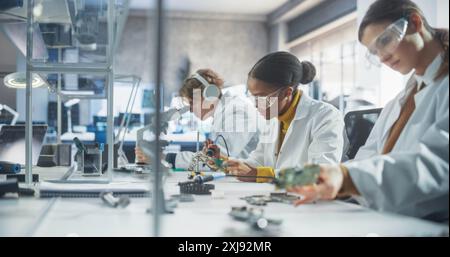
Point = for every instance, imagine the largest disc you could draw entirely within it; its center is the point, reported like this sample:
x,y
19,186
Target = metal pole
x,y
29,98
65,69
322,76
342,96
157,198
71,67
110,127
197,168
110,89
59,103
69,120
354,65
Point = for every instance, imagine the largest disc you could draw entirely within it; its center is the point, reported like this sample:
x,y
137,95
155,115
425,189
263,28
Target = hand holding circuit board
x,y
295,177
322,182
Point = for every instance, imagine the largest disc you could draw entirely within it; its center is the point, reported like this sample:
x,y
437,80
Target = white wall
x,y
277,37
229,46
7,65
442,17
40,97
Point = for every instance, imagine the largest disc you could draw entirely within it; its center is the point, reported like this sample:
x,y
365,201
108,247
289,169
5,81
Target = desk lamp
x,y
18,80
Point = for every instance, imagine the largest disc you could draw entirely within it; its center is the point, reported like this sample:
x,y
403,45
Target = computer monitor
x,y
135,119
5,117
12,143
149,99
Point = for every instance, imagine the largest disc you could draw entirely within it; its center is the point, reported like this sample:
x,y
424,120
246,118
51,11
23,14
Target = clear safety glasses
x,y
265,101
387,42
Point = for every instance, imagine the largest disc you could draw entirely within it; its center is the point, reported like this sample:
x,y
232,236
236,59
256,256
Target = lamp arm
x,y
130,104
137,82
122,158
13,112
167,116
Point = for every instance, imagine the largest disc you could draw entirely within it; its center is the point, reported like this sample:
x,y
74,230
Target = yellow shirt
x,y
285,121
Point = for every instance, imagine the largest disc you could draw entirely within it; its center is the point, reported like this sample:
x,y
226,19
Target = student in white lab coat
x,y
233,118
404,166
301,130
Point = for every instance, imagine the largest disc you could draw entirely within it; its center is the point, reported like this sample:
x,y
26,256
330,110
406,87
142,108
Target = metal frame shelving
x,y
106,69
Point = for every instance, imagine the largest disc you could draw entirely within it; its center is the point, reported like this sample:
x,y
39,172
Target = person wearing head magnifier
x,y
231,116
404,165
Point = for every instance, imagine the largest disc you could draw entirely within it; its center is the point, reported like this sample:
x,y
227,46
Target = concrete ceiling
x,y
253,7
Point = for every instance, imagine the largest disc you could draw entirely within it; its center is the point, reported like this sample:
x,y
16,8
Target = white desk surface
x,y
203,217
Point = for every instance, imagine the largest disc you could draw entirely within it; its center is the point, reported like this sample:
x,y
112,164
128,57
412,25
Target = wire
x,y
224,141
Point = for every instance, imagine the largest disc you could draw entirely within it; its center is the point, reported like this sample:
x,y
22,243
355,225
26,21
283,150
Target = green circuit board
x,y
297,177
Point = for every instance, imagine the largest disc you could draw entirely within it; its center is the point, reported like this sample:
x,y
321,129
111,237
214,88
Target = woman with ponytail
x,y
404,166
301,130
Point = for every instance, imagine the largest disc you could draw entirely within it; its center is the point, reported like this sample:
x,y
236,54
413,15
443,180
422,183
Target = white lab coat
x,y
413,179
314,136
236,119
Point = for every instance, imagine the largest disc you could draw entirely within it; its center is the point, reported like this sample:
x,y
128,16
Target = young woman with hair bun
x,y
301,130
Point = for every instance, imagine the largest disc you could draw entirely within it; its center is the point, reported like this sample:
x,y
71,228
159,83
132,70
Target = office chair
x,y
358,125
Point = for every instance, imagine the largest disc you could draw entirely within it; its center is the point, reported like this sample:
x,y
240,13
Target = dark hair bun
x,y
282,69
309,72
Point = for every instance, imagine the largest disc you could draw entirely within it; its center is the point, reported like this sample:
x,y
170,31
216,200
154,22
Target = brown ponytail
x,y
442,36
392,10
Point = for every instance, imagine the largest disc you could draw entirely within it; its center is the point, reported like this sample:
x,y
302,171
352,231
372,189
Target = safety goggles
x,y
387,42
265,101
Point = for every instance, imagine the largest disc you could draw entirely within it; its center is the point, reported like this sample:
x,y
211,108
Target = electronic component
x,y
276,197
183,198
198,186
213,151
193,174
215,164
199,157
254,216
210,157
191,187
258,200
108,198
283,197
297,177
